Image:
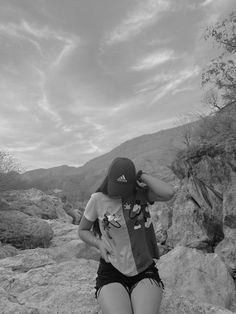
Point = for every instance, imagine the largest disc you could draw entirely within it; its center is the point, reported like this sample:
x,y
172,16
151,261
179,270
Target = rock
x,y
4,205
71,250
229,206
7,250
73,212
23,231
193,224
63,232
87,252
161,215
173,303
35,203
67,287
199,276
187,227
27,260
227,247
33,283
66,244
209,199
10,305
56,280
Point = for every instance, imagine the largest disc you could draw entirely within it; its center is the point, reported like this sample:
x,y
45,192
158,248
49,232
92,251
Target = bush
x,y
212,153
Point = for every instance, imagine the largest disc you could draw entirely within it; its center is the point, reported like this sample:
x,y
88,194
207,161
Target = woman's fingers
x,y
105,251
105,255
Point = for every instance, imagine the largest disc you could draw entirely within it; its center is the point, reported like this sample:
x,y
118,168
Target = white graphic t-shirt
x,y
127,228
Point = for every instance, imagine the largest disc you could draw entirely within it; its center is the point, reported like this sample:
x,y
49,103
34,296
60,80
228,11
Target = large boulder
x,y
66,244
207,197
229,204
191,225
63,233
161,214
35,203
58,280
227,247
4,205
35,284
75,213
196,275
22,231
173,303
7,250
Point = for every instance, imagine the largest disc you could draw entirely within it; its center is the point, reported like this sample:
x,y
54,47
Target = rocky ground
x,y
60,279
46,269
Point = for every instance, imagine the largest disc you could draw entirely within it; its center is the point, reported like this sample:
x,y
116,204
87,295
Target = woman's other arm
x,y
88,237
85,232
158,189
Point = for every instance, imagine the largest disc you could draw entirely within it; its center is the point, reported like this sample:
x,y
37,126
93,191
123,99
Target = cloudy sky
x,y
79,77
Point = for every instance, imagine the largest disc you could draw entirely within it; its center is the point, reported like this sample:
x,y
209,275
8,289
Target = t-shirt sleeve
x,y
90,211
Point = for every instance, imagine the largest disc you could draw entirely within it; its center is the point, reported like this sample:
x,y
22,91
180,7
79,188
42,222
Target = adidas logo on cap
x,y
122,179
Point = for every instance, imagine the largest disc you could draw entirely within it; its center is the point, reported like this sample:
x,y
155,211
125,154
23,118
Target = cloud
x,y
175,82
92,148
144,15
36,36
154,82
36,71
183,89
22,149
44,104
65,106
88,120
153,60
207,2
70,45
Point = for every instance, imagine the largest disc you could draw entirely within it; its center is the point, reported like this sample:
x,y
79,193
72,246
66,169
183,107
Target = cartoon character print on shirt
x,y
140,213
110,220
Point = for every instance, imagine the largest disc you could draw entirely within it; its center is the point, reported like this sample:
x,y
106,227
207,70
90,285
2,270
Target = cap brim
x,y
119,189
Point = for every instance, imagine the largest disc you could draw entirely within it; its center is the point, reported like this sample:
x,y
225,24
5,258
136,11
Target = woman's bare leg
x,y
146,297
114,299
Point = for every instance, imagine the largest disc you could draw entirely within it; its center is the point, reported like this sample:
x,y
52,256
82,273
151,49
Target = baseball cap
x,y
121,177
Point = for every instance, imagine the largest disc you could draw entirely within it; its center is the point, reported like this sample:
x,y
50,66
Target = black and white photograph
x,y
117,157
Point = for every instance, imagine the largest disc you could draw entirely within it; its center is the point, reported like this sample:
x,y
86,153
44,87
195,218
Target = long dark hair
x,y
103,189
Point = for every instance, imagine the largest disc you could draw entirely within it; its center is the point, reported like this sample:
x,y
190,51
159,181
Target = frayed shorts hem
x,y
107,274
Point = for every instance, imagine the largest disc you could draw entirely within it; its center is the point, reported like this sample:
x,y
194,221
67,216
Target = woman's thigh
x,y
114,299
146,297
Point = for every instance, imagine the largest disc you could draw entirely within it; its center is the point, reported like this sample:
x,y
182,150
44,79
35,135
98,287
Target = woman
x,y
127,279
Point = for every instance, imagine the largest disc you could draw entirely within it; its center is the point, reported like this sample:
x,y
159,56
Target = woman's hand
x,y
88,237
104,249
158,189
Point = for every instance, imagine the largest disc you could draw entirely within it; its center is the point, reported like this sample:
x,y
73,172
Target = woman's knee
x,y
114,299
146,297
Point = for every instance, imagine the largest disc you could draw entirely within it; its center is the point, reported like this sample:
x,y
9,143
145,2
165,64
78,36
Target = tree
x,y
220,75
10,170
8,163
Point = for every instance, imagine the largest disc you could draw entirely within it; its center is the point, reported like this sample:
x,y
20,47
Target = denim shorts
x,y
107,273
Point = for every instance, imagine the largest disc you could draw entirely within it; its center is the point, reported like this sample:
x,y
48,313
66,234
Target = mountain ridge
x,y
150,152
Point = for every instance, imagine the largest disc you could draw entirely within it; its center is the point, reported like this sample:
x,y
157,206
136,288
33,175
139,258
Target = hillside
x,y
150,152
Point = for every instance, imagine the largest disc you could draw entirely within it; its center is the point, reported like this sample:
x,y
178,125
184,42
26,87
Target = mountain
x,y
55,171
151,152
